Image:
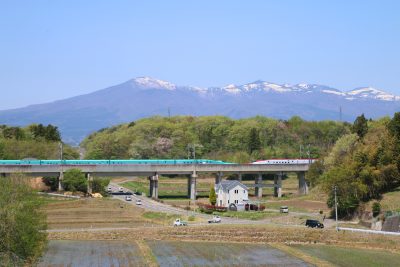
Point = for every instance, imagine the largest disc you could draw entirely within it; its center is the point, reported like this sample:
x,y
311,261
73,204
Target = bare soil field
x,y
89,213
262,234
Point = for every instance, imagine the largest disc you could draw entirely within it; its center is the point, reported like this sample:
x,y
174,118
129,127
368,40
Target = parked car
x,y
121,189
138,202
314,224
128,198
284,209
109,189
215,219
179,222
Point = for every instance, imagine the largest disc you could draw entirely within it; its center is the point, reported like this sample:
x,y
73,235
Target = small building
x,y
232,194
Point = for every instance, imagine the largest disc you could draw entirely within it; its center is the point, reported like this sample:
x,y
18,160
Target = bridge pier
x,y
239,177
153,186
60,178
258,190
192,186
278,184
218,177
3,175
303,187
89,183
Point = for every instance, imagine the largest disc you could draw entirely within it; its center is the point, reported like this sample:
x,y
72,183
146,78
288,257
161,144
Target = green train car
x,y
113,162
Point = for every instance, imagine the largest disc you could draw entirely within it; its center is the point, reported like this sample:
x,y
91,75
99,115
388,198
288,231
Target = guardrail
x,y
58,195
368,231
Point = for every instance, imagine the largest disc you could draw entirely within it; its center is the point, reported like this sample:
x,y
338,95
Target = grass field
x,y
169,188
348,257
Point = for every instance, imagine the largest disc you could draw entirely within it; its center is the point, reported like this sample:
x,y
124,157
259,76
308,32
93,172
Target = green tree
x,y
254,142
212,196
74,180
99,185
51,182
360,126
22,223
376,209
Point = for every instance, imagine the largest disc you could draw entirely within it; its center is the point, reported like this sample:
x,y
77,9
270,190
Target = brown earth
x,y
241,233
89,213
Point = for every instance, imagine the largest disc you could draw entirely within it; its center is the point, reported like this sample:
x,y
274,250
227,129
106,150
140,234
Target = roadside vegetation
x,y
22,240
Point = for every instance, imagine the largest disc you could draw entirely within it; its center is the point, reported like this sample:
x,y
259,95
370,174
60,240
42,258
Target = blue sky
x,y
56,49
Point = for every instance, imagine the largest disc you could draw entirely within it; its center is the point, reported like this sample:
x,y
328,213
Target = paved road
x,y
152,205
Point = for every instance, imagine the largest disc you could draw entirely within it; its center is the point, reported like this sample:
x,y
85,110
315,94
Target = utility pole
x,y
60,145
336,217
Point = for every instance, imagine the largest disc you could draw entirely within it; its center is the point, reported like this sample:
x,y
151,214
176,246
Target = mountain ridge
x,y
141,97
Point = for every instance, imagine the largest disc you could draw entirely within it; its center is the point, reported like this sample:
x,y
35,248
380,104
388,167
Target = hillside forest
x,y
34,141
215,137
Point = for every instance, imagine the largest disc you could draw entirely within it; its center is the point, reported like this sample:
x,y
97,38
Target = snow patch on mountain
x,y
148,82
369,92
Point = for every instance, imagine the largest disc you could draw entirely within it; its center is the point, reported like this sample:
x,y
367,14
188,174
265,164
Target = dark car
x,y
314,224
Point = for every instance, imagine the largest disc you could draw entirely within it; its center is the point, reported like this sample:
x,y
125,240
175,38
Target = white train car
x,y
285,161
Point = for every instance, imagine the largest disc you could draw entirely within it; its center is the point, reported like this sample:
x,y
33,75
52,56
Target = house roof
x,y
229,184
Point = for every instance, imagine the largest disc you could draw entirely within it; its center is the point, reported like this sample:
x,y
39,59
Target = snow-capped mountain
x,y
145,96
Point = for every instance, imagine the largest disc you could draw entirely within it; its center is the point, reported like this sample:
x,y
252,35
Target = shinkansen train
x,y
111,162
285,161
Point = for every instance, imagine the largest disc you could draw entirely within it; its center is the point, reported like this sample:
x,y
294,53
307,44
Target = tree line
x,y
215,137
34,141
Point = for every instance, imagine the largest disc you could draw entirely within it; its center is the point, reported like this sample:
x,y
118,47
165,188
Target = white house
x,y
232,192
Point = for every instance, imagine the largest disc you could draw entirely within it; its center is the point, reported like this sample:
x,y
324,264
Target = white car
x,y
138,202
121,189
284,209
179,222
109,189
128,198
215,219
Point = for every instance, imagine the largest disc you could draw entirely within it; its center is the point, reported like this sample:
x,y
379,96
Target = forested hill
x,y
362,165
215,137
34,141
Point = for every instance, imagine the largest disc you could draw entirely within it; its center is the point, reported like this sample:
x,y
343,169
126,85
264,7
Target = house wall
x,y
228,198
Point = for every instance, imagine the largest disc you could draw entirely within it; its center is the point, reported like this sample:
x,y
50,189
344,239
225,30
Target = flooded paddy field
x,y
348,257
177,253
92,253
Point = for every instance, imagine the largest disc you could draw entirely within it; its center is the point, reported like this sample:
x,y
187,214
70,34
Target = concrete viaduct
x,y
154,170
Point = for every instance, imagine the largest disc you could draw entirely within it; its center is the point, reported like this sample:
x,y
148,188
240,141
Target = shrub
x,y
212,196
376,209
51,182
99,185
22,223
74,180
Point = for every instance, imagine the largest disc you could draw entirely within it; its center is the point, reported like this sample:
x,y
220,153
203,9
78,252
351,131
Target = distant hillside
x,y
78,116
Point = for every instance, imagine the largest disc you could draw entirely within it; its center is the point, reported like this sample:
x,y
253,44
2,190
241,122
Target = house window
x,y
228,201
236,201
244,191
237,191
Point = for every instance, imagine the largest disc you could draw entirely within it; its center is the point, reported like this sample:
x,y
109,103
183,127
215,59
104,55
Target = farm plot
x,y
340,256
92,253
180,253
